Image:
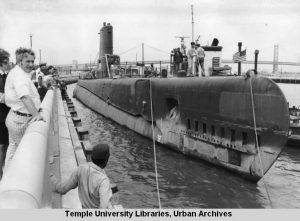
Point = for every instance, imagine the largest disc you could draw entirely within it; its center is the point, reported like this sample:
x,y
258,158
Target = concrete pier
x,y
47,147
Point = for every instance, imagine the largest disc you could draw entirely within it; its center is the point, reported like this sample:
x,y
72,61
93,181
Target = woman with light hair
x,y
4,67
22,97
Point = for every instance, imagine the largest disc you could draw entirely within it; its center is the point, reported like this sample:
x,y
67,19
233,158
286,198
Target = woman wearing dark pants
x,y
4,66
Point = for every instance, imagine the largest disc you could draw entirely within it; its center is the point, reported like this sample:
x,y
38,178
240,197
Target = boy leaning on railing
x,y
94,188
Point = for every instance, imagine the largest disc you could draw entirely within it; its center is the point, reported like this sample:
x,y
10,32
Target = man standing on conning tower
x,y
191,55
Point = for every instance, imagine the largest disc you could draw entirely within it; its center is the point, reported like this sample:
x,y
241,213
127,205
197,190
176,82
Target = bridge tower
x,y
275,61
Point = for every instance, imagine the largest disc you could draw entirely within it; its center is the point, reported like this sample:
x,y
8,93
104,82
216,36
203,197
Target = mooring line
x,y
154,149
256,141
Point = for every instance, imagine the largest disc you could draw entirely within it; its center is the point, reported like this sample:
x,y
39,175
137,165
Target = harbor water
x,y
184,182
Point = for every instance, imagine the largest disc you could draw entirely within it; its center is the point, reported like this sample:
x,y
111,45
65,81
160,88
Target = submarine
x,y
233,122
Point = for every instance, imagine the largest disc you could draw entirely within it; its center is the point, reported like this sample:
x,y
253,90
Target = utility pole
x,y
143,59
30,41
275,60
192,8
90,62
40,55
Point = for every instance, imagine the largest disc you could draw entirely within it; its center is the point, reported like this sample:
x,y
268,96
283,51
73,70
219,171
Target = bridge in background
x,y
90,66
265,62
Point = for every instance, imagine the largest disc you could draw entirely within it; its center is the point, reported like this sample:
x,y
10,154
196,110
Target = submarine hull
x,y
210,118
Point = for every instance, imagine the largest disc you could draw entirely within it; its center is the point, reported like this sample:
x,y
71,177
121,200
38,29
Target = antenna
x,y
182,37
182,43
192,8
197,40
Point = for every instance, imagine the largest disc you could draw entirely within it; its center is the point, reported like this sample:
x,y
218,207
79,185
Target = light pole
x,y
30,41
40,55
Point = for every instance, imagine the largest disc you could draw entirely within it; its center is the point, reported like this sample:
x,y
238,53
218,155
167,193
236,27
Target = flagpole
x,y
239,63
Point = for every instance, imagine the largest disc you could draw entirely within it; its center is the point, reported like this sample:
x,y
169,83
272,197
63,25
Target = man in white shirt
x,y
39,72
191,55
48,78
22,97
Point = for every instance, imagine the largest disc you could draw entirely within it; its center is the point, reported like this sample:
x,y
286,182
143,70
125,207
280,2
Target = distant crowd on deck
x,y
191,62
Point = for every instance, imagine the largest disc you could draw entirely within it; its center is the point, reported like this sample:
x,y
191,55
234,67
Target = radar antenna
x,y
197,40
182,44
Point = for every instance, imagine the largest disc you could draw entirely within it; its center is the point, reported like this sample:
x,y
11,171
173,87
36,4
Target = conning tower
x,y
106,48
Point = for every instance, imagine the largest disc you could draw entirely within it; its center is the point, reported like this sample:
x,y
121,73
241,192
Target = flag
x,y
240,56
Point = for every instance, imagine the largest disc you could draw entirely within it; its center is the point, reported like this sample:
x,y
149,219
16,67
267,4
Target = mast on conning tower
x,y
192,8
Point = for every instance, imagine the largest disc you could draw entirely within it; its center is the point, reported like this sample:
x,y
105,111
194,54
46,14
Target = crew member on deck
x,y
191,55
22,97
4,66
200,60
178,58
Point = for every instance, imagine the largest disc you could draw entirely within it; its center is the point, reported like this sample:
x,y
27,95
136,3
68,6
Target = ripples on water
x,y
183,182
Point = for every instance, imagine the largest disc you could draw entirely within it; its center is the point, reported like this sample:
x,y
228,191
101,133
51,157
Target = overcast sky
x,y
68,29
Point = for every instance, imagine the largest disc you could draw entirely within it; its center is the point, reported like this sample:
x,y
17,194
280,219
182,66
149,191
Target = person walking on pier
x,y
93,184
22,97
4,66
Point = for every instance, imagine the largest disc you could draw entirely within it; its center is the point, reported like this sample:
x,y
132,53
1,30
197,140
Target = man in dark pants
x,y
63,88
42,90
178,58
200,59
4,66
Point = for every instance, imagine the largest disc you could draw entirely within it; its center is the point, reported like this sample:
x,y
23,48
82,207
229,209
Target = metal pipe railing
x,y
22,185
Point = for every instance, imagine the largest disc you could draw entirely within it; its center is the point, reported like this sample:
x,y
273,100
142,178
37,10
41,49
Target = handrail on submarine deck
x,y
23,183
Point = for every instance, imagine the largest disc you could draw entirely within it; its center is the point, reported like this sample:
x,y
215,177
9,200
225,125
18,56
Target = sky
x,y
67,30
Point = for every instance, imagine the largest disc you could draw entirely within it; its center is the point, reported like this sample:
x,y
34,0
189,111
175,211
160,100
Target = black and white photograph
x,y
150,104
